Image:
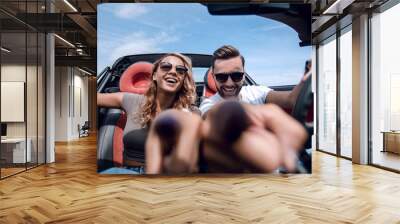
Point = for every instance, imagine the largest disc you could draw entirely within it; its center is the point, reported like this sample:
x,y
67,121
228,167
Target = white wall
x,y
14,72
33,126
80,85
17,72
68,83
12,101
61,103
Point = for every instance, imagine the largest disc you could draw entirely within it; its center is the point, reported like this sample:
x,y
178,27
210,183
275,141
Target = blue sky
x,y
271,48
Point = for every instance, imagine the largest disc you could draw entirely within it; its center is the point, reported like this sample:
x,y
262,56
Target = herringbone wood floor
x,y
70,191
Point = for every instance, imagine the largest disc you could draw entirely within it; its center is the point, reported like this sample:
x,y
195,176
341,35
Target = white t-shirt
x,y
248,94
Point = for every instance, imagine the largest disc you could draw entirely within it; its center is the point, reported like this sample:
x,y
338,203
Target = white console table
x,y
17,146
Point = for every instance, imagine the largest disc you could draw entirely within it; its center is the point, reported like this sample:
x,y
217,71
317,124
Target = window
x,y
22,68
385,88
327,95
346,92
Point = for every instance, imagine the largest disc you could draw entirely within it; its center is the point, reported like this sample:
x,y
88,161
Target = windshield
x,y
199,73
271,49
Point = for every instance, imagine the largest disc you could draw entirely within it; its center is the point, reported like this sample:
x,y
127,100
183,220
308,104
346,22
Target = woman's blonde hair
x,y
184,98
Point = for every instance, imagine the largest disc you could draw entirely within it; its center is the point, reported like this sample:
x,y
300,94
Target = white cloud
x,y
127,11
269,28
135,43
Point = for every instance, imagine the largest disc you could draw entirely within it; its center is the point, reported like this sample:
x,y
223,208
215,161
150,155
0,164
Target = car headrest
x,y
209,81
136,78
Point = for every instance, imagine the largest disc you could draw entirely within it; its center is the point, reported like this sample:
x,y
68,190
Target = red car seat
x,y
210,87
135,79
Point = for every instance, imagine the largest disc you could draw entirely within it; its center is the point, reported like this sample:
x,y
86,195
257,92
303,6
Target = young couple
x,y
239,129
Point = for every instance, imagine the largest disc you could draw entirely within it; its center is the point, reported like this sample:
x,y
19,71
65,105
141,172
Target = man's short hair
x,y
226,52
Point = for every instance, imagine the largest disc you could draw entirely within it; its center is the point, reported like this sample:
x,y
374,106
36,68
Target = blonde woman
x,y
172,87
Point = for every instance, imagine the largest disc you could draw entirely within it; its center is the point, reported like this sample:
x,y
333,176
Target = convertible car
x,y
132,74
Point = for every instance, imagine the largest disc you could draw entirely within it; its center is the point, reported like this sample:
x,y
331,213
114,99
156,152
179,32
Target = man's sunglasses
x,y
180,69
235,76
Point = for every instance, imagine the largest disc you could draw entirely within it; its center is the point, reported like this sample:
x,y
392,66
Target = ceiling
x,y
75,28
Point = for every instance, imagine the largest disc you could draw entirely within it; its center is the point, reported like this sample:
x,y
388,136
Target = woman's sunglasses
x,y
180,69
235,76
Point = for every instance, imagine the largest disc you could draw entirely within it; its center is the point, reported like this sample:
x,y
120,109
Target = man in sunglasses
x,y
234,135
229,75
